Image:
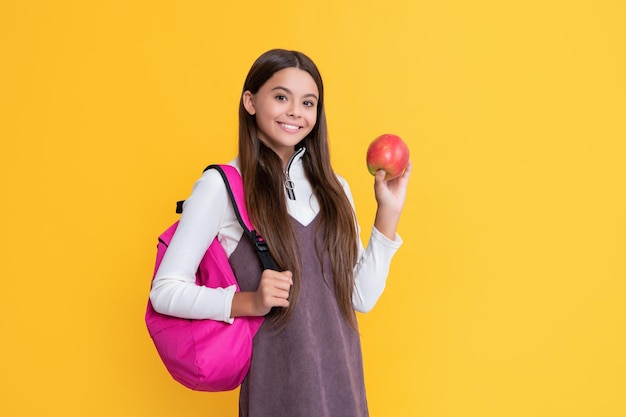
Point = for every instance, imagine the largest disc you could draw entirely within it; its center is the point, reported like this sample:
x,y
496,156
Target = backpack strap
x,y
234,187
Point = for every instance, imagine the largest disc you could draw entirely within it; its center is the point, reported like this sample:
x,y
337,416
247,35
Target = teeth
x,y
290,127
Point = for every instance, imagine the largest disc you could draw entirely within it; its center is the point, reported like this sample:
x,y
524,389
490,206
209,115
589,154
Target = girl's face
x,y
285,108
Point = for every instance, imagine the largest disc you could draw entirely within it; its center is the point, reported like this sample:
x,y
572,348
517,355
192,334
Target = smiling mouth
x,y
292,128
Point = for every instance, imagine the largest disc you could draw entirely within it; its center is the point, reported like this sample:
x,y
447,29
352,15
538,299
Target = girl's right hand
x,y
273,291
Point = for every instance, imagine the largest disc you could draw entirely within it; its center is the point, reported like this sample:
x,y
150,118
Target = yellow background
x,y
507,298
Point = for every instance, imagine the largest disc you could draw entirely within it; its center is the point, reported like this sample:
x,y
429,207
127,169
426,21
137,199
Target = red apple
x,y
389,153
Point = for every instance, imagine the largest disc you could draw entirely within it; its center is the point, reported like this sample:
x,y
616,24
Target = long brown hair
x,y
263,179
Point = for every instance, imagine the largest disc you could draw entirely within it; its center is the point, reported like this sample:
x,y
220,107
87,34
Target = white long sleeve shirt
x,y
207,213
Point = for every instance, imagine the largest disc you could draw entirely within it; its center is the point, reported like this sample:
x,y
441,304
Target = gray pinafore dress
x,y
313,367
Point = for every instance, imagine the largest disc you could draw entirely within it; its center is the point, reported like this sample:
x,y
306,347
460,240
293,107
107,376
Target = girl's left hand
x,y
391,194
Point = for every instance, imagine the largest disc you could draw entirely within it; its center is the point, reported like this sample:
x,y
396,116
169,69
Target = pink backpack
x,y
209,355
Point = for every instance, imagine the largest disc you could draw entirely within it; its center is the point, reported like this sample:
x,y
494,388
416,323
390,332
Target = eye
x,y
281,97
309,103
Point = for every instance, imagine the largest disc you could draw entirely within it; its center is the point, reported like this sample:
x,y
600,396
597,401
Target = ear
x,y
248,102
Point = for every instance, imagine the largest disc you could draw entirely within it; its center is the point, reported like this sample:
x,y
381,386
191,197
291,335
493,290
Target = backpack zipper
x,y
289,185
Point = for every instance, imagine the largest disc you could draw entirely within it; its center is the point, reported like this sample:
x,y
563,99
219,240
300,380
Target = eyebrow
x,y
290,92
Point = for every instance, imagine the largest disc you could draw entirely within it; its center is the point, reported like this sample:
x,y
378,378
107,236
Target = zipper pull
x,y
289,186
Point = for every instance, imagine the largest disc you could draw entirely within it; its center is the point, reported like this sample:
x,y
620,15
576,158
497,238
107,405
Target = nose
x,y
293,111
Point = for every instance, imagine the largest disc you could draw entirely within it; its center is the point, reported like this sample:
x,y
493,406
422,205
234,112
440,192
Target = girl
x,y
307,355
